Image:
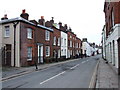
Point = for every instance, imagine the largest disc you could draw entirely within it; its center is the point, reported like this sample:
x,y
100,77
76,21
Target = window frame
x,y
29,57
59,41
6,28
47,35
54,41
29,33
47,53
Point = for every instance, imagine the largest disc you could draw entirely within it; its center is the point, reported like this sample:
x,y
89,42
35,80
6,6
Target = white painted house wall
x,y
10,40
113,58
64,44
88,48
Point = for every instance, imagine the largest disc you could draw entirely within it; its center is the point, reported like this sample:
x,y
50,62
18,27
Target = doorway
x,y
40,54
119,56
6,55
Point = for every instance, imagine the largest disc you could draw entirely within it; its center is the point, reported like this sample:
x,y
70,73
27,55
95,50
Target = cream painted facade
x,y
10,40
112,46
64,44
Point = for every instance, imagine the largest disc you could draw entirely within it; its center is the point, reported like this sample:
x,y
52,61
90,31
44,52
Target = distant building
x,y
87,49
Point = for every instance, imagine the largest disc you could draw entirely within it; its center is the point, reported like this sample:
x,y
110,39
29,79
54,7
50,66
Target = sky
x,y
85,17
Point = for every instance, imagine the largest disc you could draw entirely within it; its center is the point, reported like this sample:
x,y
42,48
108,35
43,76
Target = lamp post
x,y
14,25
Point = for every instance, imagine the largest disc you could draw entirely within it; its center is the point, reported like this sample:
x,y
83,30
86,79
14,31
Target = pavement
x,y
106,76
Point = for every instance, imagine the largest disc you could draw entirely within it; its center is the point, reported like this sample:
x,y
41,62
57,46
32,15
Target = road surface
x,y
75,74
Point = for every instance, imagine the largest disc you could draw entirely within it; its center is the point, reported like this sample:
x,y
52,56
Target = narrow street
x,y
75,74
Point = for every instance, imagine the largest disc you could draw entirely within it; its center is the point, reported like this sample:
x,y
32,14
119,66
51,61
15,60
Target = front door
x,y
40,54
6,55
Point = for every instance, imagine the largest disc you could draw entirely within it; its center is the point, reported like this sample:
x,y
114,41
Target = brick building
x,y
71,43
56,39
32,42
111,34
25,42
78,47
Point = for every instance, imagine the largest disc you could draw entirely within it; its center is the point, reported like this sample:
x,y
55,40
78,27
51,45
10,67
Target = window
x,y
70,43
58,41
47,51
65,52
29,56
29,33
61,41
70,52
47,35
73,44
54,43
7,31
65,42
112,18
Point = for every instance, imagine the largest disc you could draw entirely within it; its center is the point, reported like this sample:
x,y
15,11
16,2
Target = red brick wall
x,y
24,43
38,37
108,8
73,39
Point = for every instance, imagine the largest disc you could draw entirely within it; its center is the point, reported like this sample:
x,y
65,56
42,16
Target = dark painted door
x,y
8,55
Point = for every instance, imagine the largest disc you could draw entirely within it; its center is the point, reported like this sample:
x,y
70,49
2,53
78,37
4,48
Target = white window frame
x,y
47,35
47,49
54,43
29,33
29,54
7,31
113,22
58,41
70,43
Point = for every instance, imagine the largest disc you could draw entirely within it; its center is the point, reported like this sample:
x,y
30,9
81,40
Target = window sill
x,y
47,40
29,38
6,36
47,55
29,59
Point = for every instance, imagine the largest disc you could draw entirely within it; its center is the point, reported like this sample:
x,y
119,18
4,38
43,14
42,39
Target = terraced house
x,y
111,34
25,42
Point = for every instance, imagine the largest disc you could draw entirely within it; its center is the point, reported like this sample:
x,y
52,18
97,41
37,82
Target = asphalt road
x,y
75,74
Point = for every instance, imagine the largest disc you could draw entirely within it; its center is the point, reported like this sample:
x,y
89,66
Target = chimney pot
x,y
24,14
52,18
5,16
23,11
42,17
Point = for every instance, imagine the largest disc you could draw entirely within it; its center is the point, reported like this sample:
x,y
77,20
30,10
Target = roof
x,y
24,20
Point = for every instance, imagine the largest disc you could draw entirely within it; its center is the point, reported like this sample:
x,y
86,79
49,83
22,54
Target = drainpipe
x,y
14,25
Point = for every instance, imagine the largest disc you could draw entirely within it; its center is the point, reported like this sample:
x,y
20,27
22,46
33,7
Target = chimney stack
x,y
24,14
66,27
60,24
52,21
70,29
42,21
5,17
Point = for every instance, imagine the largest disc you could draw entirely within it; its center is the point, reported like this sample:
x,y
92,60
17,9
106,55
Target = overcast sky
x,y
85,17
